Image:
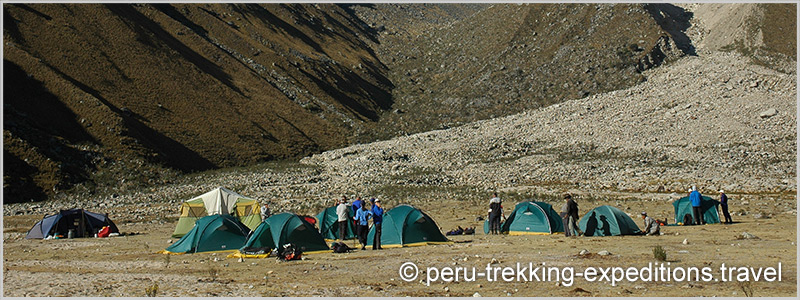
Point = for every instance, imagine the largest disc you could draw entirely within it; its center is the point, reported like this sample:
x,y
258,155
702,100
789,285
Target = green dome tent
x,y
329,227
531,217
281,229
211,234
708,206
218,201
607,221
405,226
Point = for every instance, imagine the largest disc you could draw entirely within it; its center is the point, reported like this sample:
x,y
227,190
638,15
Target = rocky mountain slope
x,y
715,121
105,94
142,94
507,58
764,32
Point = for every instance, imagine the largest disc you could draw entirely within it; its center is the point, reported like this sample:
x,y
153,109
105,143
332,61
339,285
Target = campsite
x,y
130,264
170,125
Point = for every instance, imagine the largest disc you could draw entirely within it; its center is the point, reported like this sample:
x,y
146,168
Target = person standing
x,y
362,218
341,214
723,201
696,200
569,213
651,227
356,205
377,223
265,213
495,213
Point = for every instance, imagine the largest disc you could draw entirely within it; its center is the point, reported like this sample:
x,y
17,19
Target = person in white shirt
x,y
651,227
341,213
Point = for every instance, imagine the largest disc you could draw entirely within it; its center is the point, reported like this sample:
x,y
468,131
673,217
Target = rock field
x,y
716,121
703,120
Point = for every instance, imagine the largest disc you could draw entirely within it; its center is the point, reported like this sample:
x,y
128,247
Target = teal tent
x,y
707,205
607,221
280,229
329,225
210,234
531,217
405,226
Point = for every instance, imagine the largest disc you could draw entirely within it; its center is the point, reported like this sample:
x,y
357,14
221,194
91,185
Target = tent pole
x,y
81,224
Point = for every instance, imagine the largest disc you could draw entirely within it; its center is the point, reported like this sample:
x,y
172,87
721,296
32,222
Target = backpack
x,y
340,247
289,251
104,232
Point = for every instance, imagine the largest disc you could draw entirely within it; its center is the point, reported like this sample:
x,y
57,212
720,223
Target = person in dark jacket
x,y
377,222
723,201
569,213
495,214
696,200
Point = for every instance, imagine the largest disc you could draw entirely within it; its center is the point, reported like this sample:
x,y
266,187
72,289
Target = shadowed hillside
x,y
113,89
507,58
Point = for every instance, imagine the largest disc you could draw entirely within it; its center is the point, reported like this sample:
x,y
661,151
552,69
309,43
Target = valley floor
x,y
128,265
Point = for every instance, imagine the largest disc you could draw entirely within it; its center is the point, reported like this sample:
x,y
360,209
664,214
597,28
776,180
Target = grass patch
x,y
659,253
746,287
152,291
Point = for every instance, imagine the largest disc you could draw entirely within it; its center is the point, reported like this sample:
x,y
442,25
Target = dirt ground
x,y
128,265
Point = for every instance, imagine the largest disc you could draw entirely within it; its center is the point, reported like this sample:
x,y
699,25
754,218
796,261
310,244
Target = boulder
x,y
768,113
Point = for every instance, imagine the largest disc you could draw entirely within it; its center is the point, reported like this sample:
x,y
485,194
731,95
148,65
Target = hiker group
x,y
535,217
361,217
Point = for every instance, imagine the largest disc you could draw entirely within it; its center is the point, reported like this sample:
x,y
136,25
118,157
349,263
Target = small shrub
x,y
212,274
152,291
166,260
659,253
747,288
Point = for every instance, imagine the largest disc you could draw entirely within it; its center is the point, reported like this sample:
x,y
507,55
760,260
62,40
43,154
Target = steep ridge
x,y
136,91
508,58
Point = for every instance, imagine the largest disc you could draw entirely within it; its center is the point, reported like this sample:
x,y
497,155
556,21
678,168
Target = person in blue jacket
x,y
356,205
362,224
696,200
377,223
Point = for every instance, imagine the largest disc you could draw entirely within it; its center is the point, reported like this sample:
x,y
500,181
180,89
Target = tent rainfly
x,y
218,201
708,206
82,222
281,229
215,233
531,217
405,226
607,221
329,225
